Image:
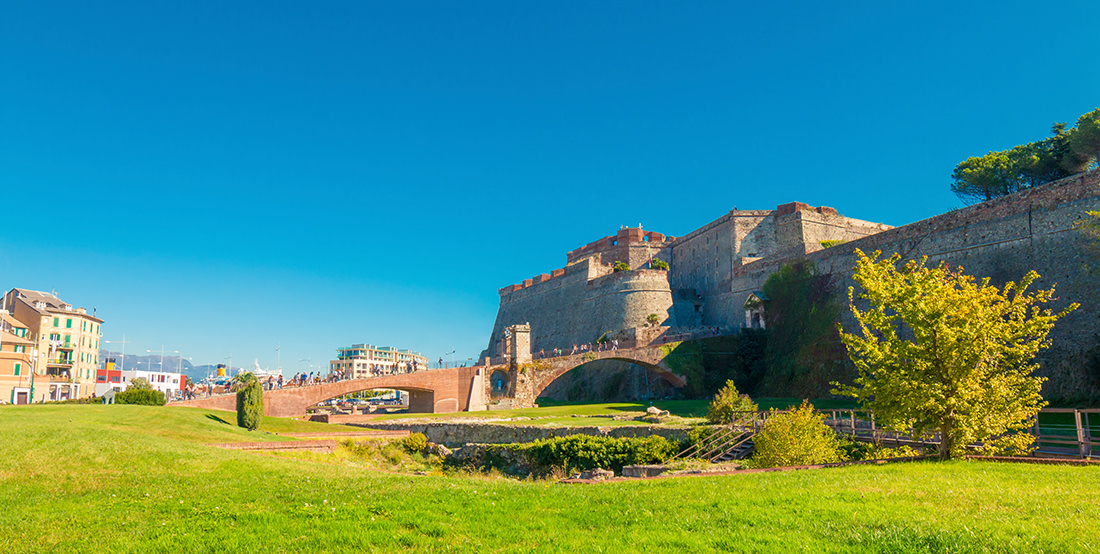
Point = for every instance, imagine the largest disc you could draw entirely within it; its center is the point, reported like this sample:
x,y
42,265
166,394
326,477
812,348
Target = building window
x,y
17,368
69,323
55,322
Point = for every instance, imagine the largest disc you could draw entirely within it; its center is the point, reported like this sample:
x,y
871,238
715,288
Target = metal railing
x,y
1057,431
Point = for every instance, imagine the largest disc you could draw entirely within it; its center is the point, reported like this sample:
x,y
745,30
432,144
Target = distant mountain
x,y
152,362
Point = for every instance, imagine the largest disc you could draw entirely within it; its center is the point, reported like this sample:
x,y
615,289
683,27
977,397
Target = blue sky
x,y
226,177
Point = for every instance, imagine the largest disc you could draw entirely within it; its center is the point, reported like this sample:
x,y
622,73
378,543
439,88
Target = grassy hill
x,y
140,479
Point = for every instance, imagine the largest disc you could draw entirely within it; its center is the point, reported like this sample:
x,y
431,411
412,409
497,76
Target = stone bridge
x,y
524,381
430,391
519,379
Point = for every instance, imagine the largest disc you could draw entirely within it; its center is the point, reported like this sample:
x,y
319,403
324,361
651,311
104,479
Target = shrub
x,y
796,438
415,442
659,264
620,266
85,400
144,397
250,403
855,450
581,452
727,403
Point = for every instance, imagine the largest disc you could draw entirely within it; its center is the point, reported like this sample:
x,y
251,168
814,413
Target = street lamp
x,y
161,356
122,364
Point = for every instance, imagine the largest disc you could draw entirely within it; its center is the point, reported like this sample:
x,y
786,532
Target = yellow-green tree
x,y
937,350
728,405
795,438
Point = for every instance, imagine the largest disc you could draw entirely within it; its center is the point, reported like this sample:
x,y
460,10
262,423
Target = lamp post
x,y
161,357
122,364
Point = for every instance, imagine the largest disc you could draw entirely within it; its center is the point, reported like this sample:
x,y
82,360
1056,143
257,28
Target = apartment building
x,y
359,361
16,374
64,348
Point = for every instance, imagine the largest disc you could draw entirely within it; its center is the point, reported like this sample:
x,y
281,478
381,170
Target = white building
x,y
171,384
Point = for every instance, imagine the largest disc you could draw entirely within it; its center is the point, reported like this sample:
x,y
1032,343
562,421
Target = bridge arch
x,y
545,379
420,399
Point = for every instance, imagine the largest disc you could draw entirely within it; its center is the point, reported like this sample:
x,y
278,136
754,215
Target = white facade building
x,y
171,384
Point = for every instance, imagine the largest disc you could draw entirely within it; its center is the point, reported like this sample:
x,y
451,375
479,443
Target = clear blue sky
x,y
226,177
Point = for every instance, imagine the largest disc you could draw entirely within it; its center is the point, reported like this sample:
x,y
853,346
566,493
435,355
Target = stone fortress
x,y
714,270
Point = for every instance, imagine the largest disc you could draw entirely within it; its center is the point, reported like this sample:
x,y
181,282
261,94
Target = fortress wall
x,y
581,305
1001,239
705,258
623,300
825,224
713,259
553,307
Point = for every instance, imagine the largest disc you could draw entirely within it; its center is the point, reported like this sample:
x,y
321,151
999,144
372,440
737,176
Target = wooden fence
x,y
1058,431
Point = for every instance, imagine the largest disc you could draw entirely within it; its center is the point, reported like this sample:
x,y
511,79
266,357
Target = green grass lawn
x,y
139,479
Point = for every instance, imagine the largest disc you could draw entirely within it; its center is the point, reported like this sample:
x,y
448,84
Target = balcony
x,y
60,361
58,375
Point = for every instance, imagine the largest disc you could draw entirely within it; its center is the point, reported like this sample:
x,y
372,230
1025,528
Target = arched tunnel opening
x,y
610,381
384,400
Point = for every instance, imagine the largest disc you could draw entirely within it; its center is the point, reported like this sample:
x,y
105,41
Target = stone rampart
x,y
1001,239
581,305
716,267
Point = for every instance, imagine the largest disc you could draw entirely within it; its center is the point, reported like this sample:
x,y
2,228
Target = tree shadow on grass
x,y
216,418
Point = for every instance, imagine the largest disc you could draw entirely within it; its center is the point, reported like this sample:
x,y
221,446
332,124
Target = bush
x,y
620,266
727,403
250,404
582,452
659,264
415,442
85,400
144,397
796,438
855,450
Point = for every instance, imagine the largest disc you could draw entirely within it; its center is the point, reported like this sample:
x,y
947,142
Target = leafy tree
x,y
796,438
620,266
139,383
659,264
727,403
938,351
984,177
1086,136
250,401
1028,165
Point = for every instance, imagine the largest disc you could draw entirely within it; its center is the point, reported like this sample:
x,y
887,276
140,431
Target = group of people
x,y
600,346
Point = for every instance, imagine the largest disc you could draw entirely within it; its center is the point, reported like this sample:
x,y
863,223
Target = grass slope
x,y
139,479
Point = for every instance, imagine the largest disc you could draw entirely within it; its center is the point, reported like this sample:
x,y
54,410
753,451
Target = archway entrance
x,y
498,385
609,380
